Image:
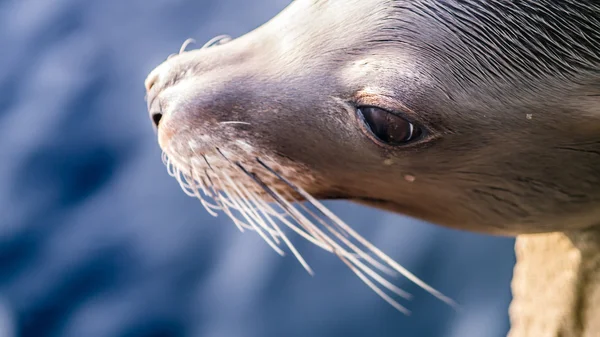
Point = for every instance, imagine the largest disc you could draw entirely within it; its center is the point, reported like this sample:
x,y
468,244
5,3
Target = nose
x,y
189,82
169,71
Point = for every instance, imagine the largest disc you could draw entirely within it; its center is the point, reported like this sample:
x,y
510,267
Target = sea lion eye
x,y
388,127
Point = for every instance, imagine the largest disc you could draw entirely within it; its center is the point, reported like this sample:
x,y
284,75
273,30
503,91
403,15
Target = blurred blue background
x,y
97,240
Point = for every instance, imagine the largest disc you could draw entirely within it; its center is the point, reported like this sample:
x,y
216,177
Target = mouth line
x,y
374,200
354,198
382,204
364,200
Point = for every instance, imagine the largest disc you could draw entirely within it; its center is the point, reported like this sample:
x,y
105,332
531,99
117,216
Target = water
x,y
97,240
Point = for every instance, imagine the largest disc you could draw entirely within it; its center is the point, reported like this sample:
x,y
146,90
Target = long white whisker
x,y
363,241
234,122
184,184
171,169
243,204
185,44
334,246
312,221
261,214
194,193
295,228
376,289
245,213
207,206
285,239
360,252
201,181
218,198
339,249
314,240
216,41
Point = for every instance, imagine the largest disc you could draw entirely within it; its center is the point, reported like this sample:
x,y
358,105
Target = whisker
x,y
217,40
347,242
251,206
185,44
190,188
232,205
251,210
248,215
171,168
211,191
175,171
285,239
184,184
200,185
226,203
361,239
376,289
204,187
201,181
274,195
295,228
207,206
337,249
218,198
252,220
234,122
207,163
278,232
235,167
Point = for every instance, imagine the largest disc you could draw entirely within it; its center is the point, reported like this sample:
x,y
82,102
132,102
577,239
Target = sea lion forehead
x,y
329,26
471,43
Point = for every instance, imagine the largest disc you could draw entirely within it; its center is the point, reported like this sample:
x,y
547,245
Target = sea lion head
x,y
477,115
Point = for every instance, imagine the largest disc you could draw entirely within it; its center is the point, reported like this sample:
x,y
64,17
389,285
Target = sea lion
x,y
476,115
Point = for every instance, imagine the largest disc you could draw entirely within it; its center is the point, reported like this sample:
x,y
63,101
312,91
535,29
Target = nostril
x,y
156,117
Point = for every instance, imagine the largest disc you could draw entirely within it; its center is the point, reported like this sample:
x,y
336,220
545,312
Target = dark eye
x,y
388,127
